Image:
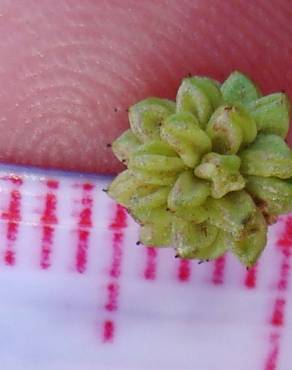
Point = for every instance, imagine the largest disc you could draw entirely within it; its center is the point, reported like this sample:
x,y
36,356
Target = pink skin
x,y
70,69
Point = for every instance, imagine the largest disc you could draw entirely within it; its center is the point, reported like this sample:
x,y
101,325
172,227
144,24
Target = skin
x,y
69,69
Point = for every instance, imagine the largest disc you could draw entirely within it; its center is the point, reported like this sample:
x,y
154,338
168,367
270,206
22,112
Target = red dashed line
x,y
84,225
113,288
283,281
108,331
251,277
115,270
150,271
113,294
184,271
120,219
52,184
48,222
278,312
272,359
13,218
277,319
219,270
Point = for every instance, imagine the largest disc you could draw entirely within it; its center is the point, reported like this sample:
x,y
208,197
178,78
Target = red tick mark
x,y
251,277
48,222
184,271
120,220
17,180
151,263
53,184
84,225
277,319
219,269
117,227
113,294
108,331
278,312
272,359
13,218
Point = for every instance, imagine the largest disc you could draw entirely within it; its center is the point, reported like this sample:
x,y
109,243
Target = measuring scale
x,y
78,293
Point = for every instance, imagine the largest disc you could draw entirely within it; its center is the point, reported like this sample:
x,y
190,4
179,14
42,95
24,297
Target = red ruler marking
x,y
113,291
117,228
108,331
272,359
251,277
84,225
14,179
219,270
150,271
277,319
13,217
184,271
48,221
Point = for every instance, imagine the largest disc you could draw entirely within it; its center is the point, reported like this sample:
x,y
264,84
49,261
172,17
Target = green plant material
x,y
231,212
207,173
252,240
125,145
187,197
146,117
230,128
189,238
217,248
128,191
223,173
238,88
156,157
273,196
199,96
155,177
267,156
182,132
156,227
188,191
271,114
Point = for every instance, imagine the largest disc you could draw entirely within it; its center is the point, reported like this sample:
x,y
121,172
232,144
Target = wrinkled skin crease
x,y
69,70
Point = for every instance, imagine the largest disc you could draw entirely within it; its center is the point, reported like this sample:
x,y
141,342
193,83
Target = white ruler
x,y
76,292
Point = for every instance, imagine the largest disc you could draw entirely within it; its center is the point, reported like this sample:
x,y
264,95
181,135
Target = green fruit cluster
x,y
209,172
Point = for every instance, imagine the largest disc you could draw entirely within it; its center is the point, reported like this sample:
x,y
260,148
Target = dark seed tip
x,y
109,145
138,242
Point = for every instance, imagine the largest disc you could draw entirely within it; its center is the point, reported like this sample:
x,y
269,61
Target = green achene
x,y
209,172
